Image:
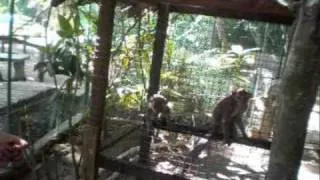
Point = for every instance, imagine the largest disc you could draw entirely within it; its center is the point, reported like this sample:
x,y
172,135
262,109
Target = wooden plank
x,y
234,14
5,39
201,132
135,169
260,10
205,134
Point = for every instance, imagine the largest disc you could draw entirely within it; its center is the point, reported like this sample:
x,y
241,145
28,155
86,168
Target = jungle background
x,y
203,55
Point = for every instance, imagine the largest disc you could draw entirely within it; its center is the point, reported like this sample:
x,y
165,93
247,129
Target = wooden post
x,y
158,51
297,94
101,61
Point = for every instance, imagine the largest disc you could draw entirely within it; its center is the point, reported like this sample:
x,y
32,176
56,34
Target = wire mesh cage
x,y
201,66
194,83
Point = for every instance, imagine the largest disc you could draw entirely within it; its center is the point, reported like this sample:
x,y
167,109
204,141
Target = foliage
x,y
184,79
63,55
194,70
70,55
194,33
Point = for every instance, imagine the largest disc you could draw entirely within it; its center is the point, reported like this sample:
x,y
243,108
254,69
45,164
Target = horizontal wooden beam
x,y
257,10
260,10
205,134
5,39
185,129
135,169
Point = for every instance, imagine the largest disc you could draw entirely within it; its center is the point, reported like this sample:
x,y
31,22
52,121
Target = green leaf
x,y
125,62
66,29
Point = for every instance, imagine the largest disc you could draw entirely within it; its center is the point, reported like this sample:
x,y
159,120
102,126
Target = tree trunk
x,y
101,63
298,94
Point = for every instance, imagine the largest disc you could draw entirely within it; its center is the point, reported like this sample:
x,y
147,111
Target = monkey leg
x,y
165,115
164,119
215,130
228,131
239,123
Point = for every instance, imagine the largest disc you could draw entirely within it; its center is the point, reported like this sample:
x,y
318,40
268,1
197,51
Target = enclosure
x,y
70,69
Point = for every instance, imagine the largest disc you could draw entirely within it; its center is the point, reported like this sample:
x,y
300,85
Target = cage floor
x,y
195,158
200,159
184,155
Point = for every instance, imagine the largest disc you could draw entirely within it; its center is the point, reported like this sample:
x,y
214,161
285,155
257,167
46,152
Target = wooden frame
x,y
258,10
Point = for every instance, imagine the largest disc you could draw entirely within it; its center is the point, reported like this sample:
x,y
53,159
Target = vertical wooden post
x,y
101,61
158,51
297,94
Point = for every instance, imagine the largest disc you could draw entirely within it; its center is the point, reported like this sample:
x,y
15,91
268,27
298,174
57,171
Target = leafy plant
x,y
64,57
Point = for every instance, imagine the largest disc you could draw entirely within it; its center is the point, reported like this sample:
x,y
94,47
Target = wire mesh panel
x,y
205,60
40,109
194,83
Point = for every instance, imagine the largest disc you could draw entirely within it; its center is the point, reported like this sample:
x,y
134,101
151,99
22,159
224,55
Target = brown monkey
x,y
228,113
158,109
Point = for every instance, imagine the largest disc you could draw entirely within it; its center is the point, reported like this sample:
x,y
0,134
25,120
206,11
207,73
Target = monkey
x,y
228,113
158,109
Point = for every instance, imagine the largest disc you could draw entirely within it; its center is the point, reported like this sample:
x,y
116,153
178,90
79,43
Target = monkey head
x,y
241,95
157,103
159,108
